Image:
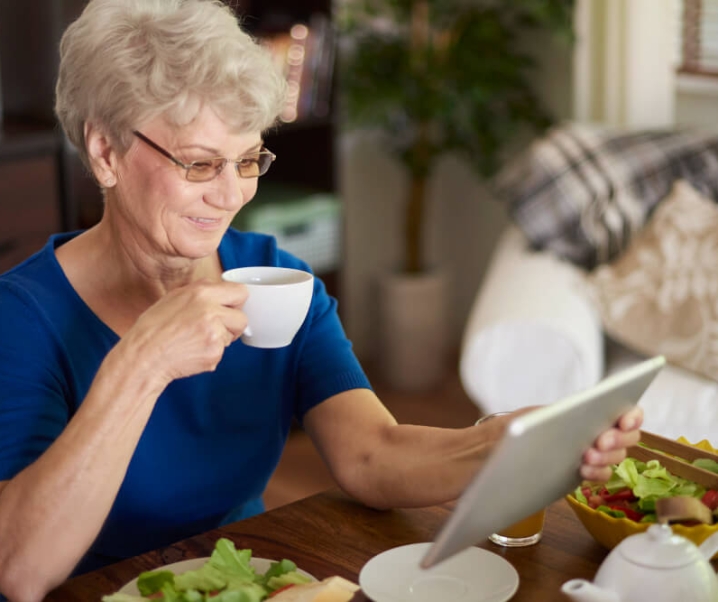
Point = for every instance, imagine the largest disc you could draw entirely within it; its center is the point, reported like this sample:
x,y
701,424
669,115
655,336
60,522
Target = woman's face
x,y
164,212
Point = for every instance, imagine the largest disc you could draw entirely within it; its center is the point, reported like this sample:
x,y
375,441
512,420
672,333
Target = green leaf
x,y
120,597
292,577
706,464
151,582
207,578
578,494
231,561
279,568
248,593
627,471
170,594
611,512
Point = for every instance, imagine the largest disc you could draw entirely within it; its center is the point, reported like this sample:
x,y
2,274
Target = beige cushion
x,y
661,295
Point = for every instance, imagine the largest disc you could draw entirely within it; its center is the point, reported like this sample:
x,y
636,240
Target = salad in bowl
x,y
626,504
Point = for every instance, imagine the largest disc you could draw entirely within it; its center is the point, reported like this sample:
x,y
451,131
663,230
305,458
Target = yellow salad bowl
x,y
609,531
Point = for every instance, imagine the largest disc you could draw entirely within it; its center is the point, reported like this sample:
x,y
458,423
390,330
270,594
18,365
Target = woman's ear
x,y
101,154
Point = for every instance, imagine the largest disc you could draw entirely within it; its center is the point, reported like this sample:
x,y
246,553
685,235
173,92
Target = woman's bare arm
x,y
385,464
51,512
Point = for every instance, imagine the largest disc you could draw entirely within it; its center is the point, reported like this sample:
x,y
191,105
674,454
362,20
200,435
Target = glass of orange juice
x,y
527,531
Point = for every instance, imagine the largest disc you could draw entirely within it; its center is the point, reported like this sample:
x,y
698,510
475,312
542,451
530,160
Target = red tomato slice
x,y
710,499
622,494
629,512
281,589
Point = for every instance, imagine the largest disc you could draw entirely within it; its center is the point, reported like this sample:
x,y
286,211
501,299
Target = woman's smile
x,y
206,223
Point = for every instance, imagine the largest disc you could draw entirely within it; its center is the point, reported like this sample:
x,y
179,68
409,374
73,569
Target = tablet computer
x,y
538,459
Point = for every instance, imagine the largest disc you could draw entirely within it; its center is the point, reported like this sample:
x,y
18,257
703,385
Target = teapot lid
x,y
659,548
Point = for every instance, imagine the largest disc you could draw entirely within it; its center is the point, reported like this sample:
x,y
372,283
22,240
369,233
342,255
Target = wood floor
x,y
301,471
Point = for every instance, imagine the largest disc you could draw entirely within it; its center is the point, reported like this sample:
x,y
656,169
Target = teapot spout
x,y
580,590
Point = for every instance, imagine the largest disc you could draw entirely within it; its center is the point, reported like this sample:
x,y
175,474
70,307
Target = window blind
x,y
698,36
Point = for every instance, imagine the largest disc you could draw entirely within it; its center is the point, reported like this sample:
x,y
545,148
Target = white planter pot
x,y
413,330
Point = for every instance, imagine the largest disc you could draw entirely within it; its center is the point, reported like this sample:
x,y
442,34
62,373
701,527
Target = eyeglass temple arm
x,y
159,149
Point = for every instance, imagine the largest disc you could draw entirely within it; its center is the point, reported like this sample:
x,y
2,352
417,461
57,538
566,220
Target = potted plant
x,y
439,76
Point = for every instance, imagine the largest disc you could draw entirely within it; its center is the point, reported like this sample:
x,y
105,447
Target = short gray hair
x,y
126,62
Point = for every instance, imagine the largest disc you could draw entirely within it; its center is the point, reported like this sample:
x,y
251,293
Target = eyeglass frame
x,y
218,170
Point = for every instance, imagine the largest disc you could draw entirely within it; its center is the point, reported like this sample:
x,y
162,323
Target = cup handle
x,y
247,331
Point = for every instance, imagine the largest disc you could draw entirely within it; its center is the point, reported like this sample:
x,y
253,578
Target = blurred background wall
x,y
622,71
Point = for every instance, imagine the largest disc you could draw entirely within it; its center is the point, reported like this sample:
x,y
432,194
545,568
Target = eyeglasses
x,y
250,166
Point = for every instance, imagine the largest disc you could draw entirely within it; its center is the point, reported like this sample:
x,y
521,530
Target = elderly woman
x,y
130,415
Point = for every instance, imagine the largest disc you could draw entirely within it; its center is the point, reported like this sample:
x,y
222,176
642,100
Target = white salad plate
x,y
473,575
261,565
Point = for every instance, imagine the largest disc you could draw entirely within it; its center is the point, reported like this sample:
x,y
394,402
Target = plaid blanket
x,y
584,191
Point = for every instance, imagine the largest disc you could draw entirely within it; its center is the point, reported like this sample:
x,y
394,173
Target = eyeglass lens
x,y
250,166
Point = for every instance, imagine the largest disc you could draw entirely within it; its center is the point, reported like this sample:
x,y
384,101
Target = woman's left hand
x,y
610,446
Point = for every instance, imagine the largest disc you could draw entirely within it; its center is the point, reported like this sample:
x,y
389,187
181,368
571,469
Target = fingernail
x,y
609,441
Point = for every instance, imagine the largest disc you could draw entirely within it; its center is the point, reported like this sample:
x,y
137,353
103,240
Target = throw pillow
x,y
583,191
661,295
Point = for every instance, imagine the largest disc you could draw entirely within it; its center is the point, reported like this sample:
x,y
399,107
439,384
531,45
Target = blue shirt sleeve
x,y
327,364
33,407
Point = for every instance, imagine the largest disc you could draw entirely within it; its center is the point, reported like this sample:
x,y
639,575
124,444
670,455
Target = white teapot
x,y
655,566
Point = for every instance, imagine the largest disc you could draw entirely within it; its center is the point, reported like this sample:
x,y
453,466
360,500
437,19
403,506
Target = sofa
x,y
611,257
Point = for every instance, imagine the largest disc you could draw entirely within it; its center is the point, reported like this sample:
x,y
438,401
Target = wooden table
x,y
329,534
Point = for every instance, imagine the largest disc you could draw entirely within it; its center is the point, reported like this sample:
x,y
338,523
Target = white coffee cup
x,y
277,305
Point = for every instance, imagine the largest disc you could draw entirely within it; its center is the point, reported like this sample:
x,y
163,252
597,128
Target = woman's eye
x,y
202,165
204,168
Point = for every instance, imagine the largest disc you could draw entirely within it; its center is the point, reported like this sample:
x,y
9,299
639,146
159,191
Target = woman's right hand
x,y
187,331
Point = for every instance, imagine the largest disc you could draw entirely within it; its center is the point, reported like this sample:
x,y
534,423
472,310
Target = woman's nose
x,y
230,191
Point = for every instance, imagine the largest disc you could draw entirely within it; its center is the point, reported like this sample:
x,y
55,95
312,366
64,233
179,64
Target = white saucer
x,y
261,565
473,575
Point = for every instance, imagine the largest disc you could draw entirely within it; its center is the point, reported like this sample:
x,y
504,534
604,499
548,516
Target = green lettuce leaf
x,y
280,568
207,578
119,597
241,592
231,561
151,582
170,594
292,577
626,474
611,512
706,464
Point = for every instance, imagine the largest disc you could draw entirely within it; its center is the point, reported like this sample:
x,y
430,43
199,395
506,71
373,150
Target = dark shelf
x,y
305,148
263,15
304,156
305,123
21,138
